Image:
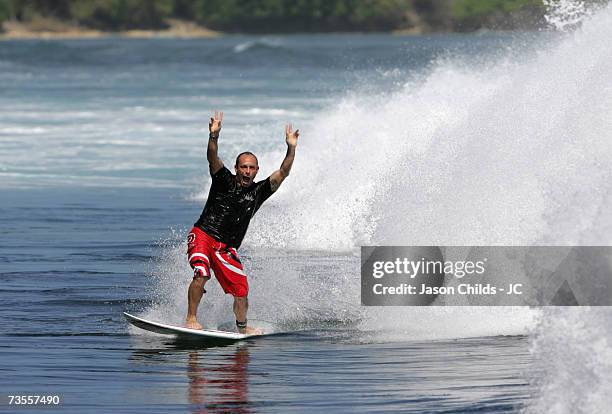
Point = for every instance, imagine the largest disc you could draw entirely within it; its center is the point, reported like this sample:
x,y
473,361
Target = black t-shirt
x,y
230,207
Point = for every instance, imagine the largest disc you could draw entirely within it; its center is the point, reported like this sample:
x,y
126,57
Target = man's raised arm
x,y
214,128
278,176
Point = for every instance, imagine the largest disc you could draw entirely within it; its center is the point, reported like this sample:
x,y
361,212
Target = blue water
x,y
103,171
134,112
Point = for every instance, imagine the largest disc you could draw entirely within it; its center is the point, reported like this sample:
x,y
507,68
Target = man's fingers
x,y
297,133
217,118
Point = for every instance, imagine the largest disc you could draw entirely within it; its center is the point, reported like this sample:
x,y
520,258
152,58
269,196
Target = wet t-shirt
x,y
230,207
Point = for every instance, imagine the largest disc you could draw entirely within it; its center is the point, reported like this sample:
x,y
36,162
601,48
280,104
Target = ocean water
x,y
487,138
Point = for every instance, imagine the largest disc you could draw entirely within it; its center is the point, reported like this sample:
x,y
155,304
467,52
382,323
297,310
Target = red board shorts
x,y
206,253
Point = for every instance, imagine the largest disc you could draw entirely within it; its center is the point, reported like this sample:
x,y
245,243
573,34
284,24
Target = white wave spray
x,y
567,14
574,361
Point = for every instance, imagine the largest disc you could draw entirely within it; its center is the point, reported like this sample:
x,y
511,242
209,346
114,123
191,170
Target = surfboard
x,y
201,335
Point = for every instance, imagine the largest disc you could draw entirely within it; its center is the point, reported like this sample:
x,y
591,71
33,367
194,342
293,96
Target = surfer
x,y
232,201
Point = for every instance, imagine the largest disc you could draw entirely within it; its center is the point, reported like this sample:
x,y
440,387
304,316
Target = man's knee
x,y
241,302
199,282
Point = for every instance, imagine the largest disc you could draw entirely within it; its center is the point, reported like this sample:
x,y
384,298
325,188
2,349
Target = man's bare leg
x,y
194,295
241,306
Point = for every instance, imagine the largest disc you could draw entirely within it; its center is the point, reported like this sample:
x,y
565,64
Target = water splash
x,y
564,14
575,360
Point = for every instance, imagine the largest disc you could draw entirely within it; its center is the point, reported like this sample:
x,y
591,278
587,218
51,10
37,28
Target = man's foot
x,y
192,323
251,331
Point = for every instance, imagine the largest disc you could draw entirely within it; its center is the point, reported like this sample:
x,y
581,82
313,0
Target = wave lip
x,y
262,43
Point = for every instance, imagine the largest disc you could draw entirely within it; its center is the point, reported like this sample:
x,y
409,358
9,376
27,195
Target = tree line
x,y
277,16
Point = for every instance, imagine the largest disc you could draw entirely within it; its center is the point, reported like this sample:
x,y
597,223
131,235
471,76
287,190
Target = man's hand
x,y
214,125
278,176
291,137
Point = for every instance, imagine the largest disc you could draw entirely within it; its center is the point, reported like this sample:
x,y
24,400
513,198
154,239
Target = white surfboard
x,y
202,335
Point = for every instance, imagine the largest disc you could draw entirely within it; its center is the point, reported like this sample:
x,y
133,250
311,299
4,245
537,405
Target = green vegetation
x,y
469,14
120,14
302,15
465,9
98,14
275,15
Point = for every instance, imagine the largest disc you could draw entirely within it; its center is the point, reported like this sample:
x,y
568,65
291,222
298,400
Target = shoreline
x,y
50,29
53,29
